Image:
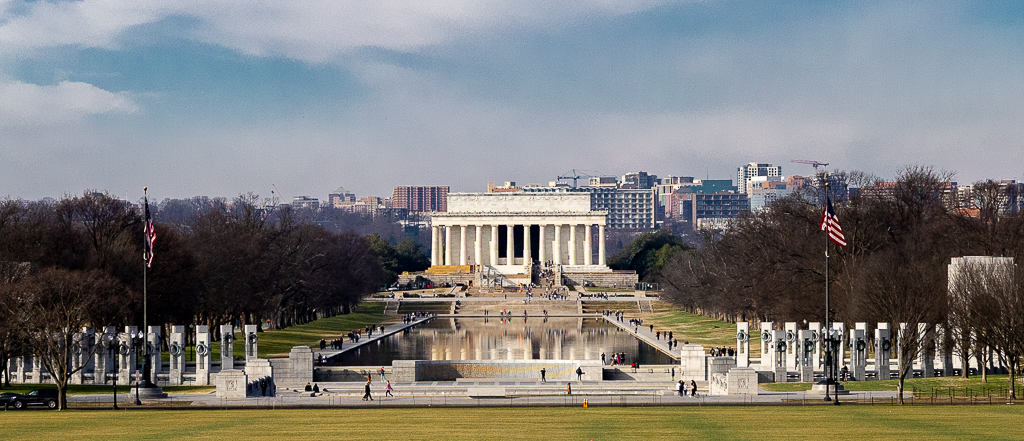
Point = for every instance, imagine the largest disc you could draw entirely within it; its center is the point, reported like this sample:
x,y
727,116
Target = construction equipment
x,y
815,164
575,176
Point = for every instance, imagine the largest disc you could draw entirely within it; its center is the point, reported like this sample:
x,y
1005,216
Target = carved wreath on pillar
x,y
253,338
202,349
174,349
742,336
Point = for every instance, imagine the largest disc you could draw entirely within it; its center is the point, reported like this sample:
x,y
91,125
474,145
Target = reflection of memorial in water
x,y
513,338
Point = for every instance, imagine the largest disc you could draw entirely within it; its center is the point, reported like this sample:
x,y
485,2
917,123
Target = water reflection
x,y
514,338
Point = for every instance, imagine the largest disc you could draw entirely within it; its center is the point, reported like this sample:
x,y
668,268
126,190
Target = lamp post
x,y
108,343
138,337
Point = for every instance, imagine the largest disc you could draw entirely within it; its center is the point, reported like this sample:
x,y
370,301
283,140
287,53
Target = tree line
x,y
901,235
216,261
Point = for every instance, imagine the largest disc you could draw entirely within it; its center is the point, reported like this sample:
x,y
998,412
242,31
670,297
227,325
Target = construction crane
x,y
575,176
815,164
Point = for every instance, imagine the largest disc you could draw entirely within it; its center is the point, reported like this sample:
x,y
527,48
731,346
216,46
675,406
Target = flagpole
x,y
145,264
828,334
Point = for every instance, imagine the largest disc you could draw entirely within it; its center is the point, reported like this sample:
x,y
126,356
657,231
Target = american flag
x,y
150,233
830,224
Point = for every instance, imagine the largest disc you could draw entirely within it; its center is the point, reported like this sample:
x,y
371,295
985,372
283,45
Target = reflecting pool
x,y
533,338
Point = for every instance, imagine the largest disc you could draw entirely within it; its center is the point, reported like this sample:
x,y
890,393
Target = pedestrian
x,y
543,375
579,374
387,390
568,388
382,373
602,359
366,394
316,388
693,388
679,388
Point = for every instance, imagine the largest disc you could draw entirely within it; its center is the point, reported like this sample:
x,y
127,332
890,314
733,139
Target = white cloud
x,y
23,103
310,30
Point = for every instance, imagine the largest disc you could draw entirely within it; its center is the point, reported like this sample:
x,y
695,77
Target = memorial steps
x,y
535,308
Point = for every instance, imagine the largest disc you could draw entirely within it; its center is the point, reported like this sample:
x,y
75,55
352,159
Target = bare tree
x,y
52,305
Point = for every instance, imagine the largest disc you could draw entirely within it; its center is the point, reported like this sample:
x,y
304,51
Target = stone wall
x,y
450,370
599,279
294,371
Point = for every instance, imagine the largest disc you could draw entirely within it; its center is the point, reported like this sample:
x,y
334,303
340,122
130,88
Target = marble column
x,y
435,236
588,250
462,245
572,244
478,245
447,245
511,248
527,249
558,244
541,247
600,245
494,245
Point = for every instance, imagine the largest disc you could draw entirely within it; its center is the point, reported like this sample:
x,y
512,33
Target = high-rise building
x,y
340,198
305,202
745,172
419,199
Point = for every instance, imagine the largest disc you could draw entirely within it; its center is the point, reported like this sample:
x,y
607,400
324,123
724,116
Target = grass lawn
x,y
924,386
694,328
278,342
595,423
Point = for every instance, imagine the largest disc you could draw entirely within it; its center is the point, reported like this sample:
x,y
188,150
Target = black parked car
x,y
38,397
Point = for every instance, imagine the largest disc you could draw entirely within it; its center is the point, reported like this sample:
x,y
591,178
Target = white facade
x,y
506,229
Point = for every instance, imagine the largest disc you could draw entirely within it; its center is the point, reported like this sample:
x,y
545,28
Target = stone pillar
x,y
127,356
805,354
944,350
107,344
778,354
80,353
927,353
527,247
600,246
478,245
558,244
203,356
572,244
766,345
742,344
435,236
176,352
153,352
510,249
815,327
227,347
19,374
251,340
792,346
858,354
588,249
463,258
883,349
541,245
447,245
494,245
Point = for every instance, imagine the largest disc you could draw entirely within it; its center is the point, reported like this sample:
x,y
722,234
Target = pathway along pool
x,y
533,338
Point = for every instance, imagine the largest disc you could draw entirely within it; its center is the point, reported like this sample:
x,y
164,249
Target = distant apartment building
x,y
305,202
745,172
628,209
638,180
714,210
420,199
1008,192
340,198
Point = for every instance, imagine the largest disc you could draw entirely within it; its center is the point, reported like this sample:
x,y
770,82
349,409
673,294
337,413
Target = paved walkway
x,y
518,393
644,333
389,330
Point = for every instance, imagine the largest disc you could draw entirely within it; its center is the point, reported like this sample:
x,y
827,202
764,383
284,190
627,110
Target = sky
x,y
224,97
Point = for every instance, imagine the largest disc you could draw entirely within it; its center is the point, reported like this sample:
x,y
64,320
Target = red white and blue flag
x,y
150,233
830,224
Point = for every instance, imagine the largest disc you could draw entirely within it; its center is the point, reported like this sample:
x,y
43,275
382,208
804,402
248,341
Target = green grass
x,y
278,342
595,423
693,328
595,306
923,385
432,307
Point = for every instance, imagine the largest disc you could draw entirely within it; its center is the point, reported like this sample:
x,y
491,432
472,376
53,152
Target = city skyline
x,y
218,100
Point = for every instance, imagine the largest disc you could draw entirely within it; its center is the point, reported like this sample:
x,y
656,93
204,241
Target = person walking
x,y
543,375
387,390
579,374
382,373
693,388
679,388
366,394
568,388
